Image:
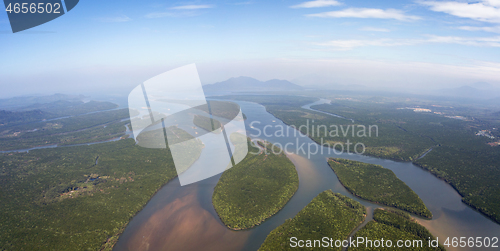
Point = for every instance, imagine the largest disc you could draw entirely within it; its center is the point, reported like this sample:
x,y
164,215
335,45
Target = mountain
x,y
482,86
16,102
9,117
247,84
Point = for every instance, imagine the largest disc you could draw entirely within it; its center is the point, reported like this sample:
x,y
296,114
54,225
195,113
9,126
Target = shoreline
x,y
378,203
112,242
497,221
259,142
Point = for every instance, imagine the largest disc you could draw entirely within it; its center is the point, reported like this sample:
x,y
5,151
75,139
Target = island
x,y
396,228
443,142
328,214
256,188
208,124
377,184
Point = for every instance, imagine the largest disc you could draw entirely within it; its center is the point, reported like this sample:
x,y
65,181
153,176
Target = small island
x,y
396,225
255,189
379,185
208,124
329,214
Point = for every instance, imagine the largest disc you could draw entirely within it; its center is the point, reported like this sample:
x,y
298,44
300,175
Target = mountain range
x,y
248,84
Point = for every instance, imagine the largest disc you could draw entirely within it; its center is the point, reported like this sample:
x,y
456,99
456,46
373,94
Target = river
x,y
183,218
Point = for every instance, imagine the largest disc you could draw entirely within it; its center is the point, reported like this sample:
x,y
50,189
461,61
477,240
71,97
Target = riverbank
x,y
378,185
417,159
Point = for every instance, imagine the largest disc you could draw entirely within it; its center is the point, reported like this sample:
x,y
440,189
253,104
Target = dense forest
x,y
458,155
395,226
24,101
77,198
255,189
57,109
328,214
470,163
91,126
377,184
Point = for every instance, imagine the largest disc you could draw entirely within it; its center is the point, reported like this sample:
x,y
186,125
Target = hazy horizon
x,y
399,45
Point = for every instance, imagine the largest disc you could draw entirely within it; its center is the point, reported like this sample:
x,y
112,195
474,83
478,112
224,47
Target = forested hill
x,y
16,102
7,117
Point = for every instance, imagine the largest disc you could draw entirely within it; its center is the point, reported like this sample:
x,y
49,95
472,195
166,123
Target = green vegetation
x,y
377,184
39,112
458,156
222,109
76,198
472,171
189,146
395,225
329,214
87,128
19,102
67,108
255,189
207,123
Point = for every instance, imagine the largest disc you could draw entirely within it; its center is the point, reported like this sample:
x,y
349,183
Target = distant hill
x,y
9,117
247,84
482,86
16,102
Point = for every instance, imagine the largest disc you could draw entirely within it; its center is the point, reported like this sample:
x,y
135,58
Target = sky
x,y
112,46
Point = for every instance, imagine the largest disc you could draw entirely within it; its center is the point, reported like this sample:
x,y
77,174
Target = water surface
x,y
183,218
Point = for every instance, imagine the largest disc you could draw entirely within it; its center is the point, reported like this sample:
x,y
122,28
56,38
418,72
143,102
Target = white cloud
x,y
354,43
367,13
495,3
471,41
386,42
374,29
487,29
180,11
485,10
172,14
316,4
192,7
119,19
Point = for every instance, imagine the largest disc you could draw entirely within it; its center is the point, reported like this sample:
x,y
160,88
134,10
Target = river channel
x,y
183,218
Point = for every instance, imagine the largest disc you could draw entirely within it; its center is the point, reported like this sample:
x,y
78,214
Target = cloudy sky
x,y
111,45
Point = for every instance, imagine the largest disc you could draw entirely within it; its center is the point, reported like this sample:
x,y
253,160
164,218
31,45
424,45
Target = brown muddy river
x,y
183,218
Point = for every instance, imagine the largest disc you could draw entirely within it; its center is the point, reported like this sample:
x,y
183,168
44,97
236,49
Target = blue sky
x,y
117,44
